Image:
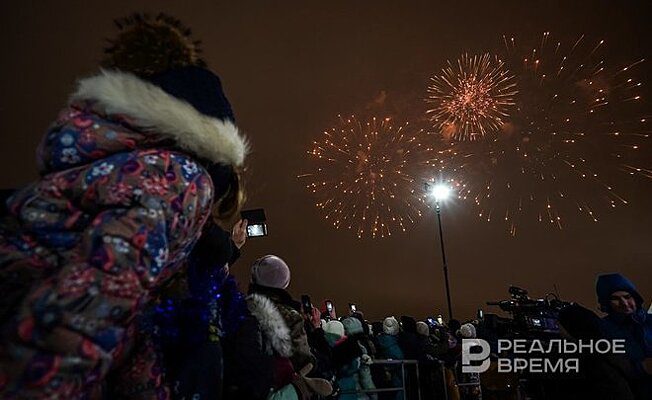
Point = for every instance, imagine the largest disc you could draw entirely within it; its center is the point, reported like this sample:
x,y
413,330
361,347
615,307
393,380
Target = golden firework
x,y
577,124
471,98
366,175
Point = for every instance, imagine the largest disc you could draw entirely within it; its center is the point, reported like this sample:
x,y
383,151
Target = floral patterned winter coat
x,y
121,200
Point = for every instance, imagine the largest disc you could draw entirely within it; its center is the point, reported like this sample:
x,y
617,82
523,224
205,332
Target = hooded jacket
x,y
607,284
251,354
635,329
121,200
290,310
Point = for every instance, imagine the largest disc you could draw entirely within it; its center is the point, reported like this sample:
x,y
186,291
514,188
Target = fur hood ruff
x,y
153,109
271,323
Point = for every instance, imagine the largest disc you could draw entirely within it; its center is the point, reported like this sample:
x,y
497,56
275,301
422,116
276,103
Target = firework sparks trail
x,y
365,175
577,131
471,98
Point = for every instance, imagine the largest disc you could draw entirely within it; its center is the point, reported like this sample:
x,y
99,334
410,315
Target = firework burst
x,y
471,98
365,175
577,125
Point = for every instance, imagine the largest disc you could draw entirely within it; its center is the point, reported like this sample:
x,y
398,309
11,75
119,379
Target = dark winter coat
x,y
345,351
211,308
291,312
608,376
252,354
635,329
121,200
324,367
411,345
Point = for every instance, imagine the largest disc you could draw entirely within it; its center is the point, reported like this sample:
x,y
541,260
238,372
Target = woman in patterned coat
x,y
125,188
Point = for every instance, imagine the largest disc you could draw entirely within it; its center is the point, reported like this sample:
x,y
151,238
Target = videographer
x,y
602,376
627,319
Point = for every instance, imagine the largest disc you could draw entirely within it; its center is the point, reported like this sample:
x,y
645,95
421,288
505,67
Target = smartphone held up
x,y
257,222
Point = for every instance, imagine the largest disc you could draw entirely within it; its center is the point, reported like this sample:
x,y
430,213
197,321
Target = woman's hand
x,y
315,317
239,233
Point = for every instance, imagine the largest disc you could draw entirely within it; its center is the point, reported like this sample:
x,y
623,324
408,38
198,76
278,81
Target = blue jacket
x,y
389,347
635,329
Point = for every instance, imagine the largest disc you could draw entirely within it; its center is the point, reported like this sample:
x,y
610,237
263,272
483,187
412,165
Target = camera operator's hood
x,y
607,284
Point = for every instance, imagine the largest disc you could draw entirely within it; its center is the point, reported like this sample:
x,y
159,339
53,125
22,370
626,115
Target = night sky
x,y
288,69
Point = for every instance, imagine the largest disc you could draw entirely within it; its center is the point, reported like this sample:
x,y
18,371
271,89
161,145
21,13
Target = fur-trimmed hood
x,y
152,109
271,323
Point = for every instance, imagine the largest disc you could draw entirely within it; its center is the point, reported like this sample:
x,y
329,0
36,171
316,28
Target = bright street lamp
x,y
441,192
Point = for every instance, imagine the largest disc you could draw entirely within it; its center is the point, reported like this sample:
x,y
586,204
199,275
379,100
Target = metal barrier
x,y
402,388
468,381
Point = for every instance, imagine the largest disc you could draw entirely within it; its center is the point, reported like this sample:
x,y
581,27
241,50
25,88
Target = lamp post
x,y
441,192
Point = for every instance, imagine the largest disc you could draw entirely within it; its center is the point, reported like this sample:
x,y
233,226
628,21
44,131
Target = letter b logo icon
x,y
468,356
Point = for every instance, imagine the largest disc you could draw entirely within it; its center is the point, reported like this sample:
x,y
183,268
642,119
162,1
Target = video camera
x,y
529,317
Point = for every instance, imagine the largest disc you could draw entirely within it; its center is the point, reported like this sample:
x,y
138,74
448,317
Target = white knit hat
x,y
422,328
390,326
334,327
467,330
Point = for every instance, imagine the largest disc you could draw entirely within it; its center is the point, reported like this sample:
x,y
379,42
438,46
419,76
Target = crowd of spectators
x,y
114,264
